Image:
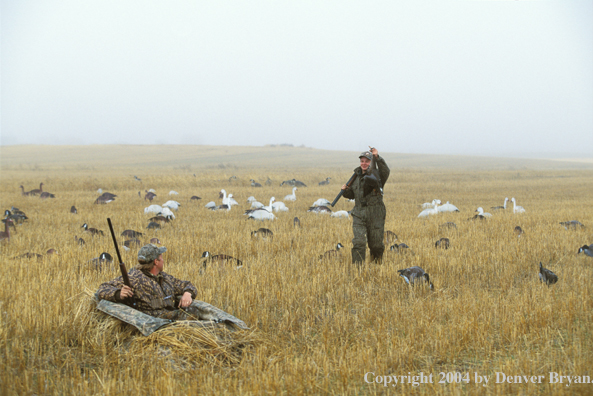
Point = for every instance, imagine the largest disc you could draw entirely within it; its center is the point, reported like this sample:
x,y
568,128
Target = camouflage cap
x,y
366,154
148,253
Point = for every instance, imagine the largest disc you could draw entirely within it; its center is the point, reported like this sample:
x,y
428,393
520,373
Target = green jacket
x,y
356,190
155,295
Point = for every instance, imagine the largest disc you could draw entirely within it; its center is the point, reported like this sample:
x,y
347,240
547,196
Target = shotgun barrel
x,y
348,184
122,267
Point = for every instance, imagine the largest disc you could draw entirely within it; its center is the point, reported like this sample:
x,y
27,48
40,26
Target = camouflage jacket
x,y
356,190
155,295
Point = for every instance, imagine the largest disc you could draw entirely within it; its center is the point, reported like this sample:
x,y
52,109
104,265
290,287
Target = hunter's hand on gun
x,y
125,292
344,187
186,300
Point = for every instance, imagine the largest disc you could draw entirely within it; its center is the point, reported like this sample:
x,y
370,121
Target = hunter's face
x,y
364,163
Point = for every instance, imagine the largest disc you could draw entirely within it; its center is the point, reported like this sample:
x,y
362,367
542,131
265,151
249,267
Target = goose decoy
x,y
503,207
153,226
547,276
517,209
415,275
23,192
97,262
447,226
132,242
477,217
29,256
518,230
572,224
442,243
162,219
325,182
588,250
319,209
137,178
332,253
79,241
18,217
321,202
254,183
260,214
45,195
108,195
92,231
430,211
480,211
448,208
149,195
296,222
155,241
103,200
221,259
402,247
263,233
37,190
5,235
51,251
389,237
194,198
291,197
428,205
269,182
131,234
17,211
73,210
341,214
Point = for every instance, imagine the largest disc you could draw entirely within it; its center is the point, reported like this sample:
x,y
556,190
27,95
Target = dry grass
x,y
317,327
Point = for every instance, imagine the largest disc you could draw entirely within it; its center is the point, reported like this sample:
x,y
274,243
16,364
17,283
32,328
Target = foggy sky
x,y
453,77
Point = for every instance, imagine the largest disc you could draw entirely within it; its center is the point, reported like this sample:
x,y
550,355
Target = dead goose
x,y
414,275
547,276
263,233
92,231
332,253
442,243
221,259
572,224
588,250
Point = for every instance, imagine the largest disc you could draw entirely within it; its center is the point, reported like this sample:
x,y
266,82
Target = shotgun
x,y
348,184
122,267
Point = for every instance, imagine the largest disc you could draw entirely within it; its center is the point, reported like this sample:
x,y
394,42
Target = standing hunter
x,y
369,211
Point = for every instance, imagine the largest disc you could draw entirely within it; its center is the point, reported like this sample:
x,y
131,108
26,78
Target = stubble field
x,y
316,326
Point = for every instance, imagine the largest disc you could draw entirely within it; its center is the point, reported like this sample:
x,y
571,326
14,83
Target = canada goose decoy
x,y
588,250
325,182
447,226
402,247
572,224
97,262
254,183
517,209
5,235
29,256
16,211
45,195
194,198
131,234
162,219
296,222
232,178
415,275
51,251
137,178
37,190
153,226
103,200
332,253
221,259
503,207
92,231
18,217
108,195
442,243
319,209
132,242
25,193
73,210
155,241
547,276
390,236
263,233
79,241
518,230
149,195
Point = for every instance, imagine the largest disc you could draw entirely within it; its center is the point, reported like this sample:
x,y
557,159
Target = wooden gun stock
x,y
348,184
